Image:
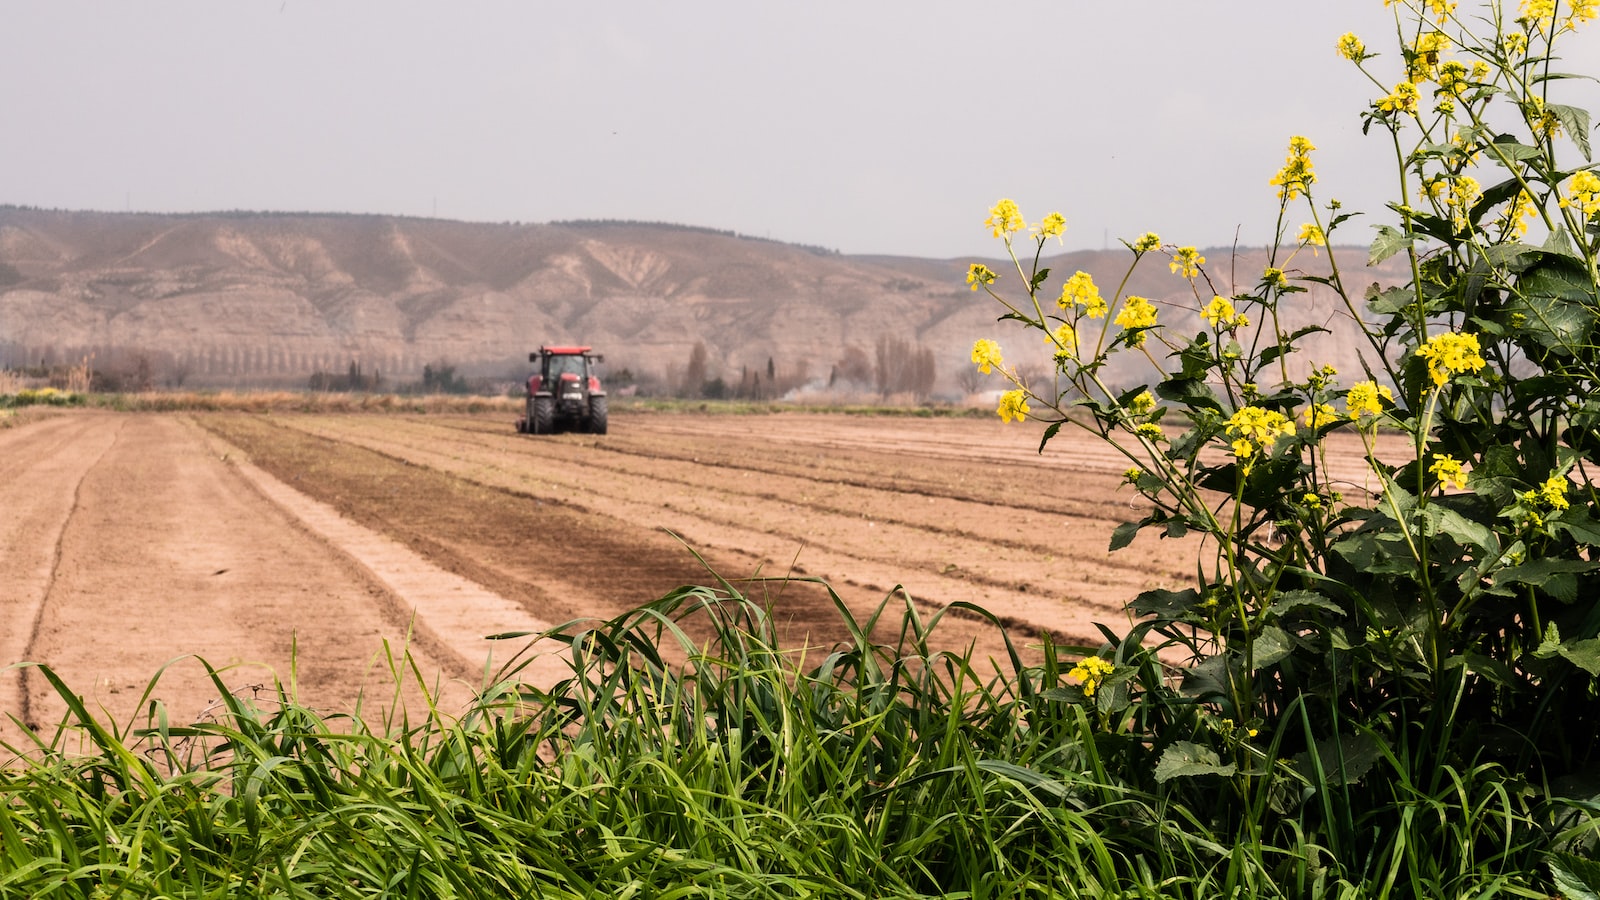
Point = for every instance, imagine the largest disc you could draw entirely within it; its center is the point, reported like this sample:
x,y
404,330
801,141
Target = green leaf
x,y
1584,654
1556,577
1189,392
1185,759
1038,279
1576,122
1164,603
1048,434
1292,600
1555,301
1124,534
1270,647
1575,877
1390,240
1342,760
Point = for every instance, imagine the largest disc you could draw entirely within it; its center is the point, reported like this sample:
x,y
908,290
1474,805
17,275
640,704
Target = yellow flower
x,y
1366,398
1295,177
1221,314
1442,9
1350,47
1518,214
1257,429
1143,404
1188,261
1149,431
1403,99
1080,290
1137,312
1092,672
1515,43
1318,415
980,274
1311,234
1424,56
1146,242
1447,469
1052,226
1065,337
1004,219
1583,193
1451,354
1554,492
986,355
1013,406
1454,77
1131,476
1273,278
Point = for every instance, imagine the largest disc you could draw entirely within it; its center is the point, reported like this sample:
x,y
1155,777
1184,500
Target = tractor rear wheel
x,y
597,415
544,416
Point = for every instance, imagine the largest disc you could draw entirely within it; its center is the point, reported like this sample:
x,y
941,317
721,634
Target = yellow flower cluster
x,y
1005,218
985,355
1423,60
1295,177
1518,214
1541,14
1257,429
1143,404
1451,353
1147,242
1065,337
1554,492
1403,98
1187,261
980,274
1448,471
1080,290
1366,398
1052,226
1091,671
1137,312
1311,235
1219,313
1318,415
1273,277
1583,193
1013,406
1351,48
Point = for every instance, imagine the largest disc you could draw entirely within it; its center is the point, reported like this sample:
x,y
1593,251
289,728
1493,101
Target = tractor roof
x,y
565,351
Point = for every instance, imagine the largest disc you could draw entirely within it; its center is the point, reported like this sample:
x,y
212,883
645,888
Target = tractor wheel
x,y
544,416
597,415
522,425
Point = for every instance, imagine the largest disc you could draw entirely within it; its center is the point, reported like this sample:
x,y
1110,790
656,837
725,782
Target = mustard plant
x,y
1361,666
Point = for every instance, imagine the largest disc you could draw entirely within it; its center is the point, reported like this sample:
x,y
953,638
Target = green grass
x,y
861,770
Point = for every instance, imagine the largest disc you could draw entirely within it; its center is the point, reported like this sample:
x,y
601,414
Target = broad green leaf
x,y
1291,600
1575,877
1270,647
1555,301
1167,604
1124,534
1048,434
1189,392
1390,240
1556,577
1584,654
1185,759
1575,120
1342,760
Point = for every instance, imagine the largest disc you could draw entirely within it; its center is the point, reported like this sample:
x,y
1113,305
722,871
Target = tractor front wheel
x,y
597,415
544,416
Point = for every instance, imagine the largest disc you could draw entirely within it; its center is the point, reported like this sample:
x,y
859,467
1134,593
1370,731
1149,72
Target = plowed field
x,y
305,545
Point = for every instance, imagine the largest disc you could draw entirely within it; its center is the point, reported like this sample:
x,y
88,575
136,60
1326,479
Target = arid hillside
x,y
266,300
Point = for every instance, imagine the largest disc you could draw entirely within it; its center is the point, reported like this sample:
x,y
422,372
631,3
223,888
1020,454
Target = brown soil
x,y
303,545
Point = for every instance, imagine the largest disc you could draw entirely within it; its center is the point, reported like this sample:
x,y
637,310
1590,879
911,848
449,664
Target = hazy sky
x,y
876,126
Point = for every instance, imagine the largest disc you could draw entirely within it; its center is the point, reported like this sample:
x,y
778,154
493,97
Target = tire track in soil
x,y
170,554
572,461
59,453
993,535
512,543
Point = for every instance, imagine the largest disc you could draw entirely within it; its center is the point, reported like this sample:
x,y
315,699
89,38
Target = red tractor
x,y
565,394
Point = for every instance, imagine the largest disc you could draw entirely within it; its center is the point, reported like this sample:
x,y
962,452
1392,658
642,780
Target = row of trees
x,y
895,366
